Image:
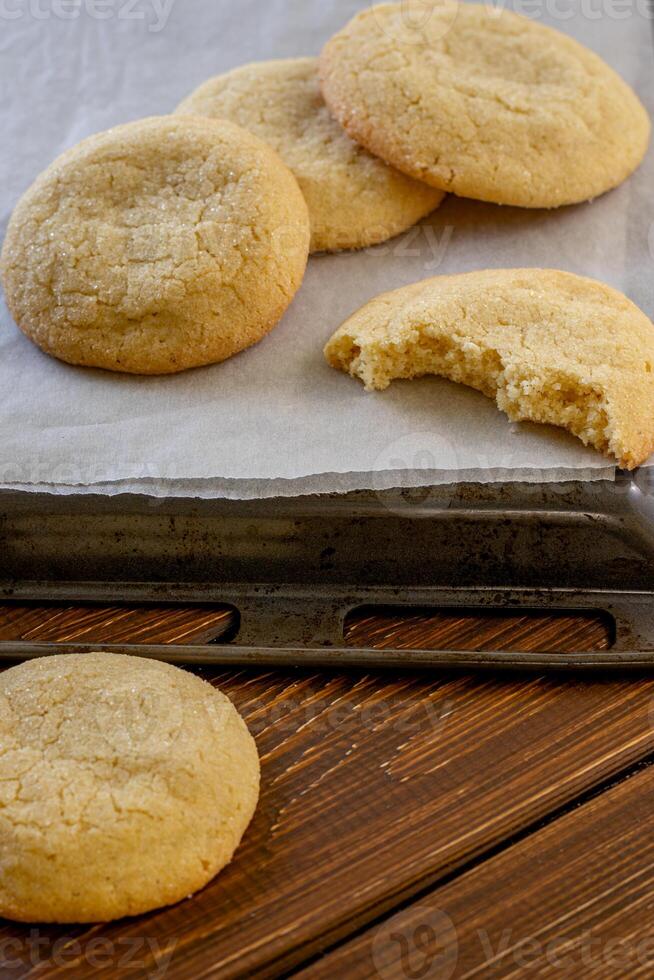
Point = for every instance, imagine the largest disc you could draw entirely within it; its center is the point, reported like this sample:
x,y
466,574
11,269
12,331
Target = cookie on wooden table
x,y
354,199
161,245
548,346
125,785
484,102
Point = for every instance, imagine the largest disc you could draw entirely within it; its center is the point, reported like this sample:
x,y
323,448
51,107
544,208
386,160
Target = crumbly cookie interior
x,y
525,388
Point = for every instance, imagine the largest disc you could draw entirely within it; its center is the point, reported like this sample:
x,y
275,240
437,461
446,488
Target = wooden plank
x,y
572,900
59,623
491,630
373,789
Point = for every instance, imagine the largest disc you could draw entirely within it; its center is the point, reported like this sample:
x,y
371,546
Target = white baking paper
x,y
277,419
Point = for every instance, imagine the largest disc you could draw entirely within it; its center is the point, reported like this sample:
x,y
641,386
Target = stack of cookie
x,y
179,241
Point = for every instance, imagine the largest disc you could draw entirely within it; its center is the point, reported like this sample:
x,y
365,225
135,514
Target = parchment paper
x,y
276,419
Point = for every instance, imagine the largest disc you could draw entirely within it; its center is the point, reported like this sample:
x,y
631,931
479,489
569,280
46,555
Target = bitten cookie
x,y
483,102
125,785
157,246
548,346
354,199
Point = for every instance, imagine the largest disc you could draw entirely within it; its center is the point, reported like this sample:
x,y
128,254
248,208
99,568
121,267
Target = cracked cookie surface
x,y
161,245
125,785
354,199
548,346
484,103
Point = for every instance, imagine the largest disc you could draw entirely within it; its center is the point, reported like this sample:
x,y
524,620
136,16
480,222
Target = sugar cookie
x,y
354,199
125,785
548,346
484,102
157,246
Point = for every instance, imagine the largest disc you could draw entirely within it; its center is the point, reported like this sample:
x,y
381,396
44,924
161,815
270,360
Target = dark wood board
x,y
575,899
375,788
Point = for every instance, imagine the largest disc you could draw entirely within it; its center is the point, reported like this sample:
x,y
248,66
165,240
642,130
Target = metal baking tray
x,y
293,569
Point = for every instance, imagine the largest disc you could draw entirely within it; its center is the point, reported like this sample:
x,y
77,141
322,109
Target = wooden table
x,y
410,826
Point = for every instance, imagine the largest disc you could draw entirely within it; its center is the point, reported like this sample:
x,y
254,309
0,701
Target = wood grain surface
x,y
573,900
378,791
